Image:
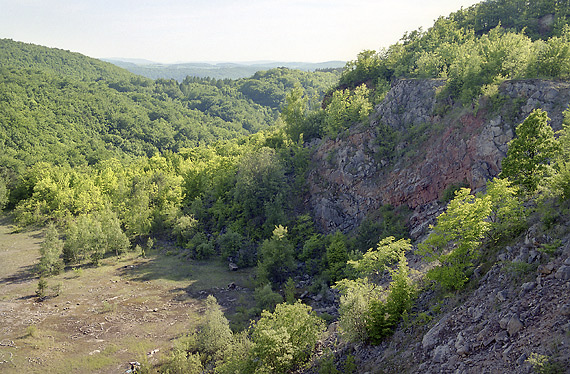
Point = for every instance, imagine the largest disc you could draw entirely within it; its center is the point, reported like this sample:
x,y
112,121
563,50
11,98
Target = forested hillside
x,y
260,173
65,108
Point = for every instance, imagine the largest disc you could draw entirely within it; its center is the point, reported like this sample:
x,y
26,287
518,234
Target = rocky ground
x,y
517,310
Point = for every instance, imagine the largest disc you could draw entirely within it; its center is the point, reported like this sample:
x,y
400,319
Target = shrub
x,y
283,340
266,298
276,257
462,226
215,335
337,256
355,300
182,362
238,356
387,252
529,154
51,250
94,235
383,316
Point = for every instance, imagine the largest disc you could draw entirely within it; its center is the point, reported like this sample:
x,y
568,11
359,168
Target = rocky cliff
x,y
438,144
519,305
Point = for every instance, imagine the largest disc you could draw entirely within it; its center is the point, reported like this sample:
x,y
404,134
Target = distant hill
x,y
58,61
67,108
222,70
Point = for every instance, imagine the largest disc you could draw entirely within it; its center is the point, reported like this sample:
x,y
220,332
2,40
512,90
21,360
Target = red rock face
x,y
348,181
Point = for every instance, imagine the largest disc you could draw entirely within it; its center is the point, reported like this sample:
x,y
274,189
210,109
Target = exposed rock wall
x,y
350,180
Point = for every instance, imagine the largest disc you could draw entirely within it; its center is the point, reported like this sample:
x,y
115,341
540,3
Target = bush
x,y
230,244
92,236
376,261
337,256
463,225
51,250
355,300
238,357
215,335
182,362
276,257
384,316
266,298
4,193
285,339
529,155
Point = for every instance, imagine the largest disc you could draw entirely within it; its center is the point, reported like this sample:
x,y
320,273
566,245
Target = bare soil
x,y
128,309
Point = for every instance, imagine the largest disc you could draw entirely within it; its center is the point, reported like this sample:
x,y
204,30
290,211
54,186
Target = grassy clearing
x,y
104,316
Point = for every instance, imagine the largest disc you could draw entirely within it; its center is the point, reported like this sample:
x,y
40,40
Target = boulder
x,y
514,325
431,338
563,273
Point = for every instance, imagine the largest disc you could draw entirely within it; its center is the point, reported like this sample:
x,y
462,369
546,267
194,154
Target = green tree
x,y
355,300
285,339
508,215
559,182
182,362
276,257
266,298
345,108
215,335
92,236
294,113
376,261
51,250
238,356
3,193
383,315
336,256
456,237
531,153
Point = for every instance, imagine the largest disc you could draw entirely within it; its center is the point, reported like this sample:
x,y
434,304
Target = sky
x,y
170,31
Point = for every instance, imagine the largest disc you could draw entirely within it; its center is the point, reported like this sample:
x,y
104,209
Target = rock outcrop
x,y
497,327
351,178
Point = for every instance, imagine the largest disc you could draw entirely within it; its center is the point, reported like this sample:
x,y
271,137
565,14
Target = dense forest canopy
x,y
219,168
62,107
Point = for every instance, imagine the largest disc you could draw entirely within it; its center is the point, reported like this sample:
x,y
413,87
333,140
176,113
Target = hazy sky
x,y
219,30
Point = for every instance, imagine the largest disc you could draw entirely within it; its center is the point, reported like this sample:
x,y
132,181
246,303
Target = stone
x,y
565,310
441,354
430,339
563,273
546,269
507,352
528,286
502,295
462,346
533,256
476,313
489,341
522,359
501,336
514,325
503,322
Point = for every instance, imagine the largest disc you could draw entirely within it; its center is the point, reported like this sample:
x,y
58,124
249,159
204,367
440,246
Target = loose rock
x,y
563,273
514,325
